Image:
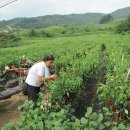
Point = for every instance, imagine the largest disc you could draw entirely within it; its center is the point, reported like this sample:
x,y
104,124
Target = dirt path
x,y
9,109
87,99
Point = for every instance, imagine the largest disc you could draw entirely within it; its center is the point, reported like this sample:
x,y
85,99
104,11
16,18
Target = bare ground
x,y
9,109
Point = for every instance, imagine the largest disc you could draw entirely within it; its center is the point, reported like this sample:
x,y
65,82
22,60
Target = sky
x,y
33,8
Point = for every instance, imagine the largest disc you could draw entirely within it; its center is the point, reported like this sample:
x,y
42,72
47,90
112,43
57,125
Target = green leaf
x,y
105,109
101,127
77,122
128,128
100,117
107,124
86,115
115,128
84,121
72,110
35,116
38,104
126,111
89,110
94,116
62,111
93,123
40,125
77,128
73,118
122,126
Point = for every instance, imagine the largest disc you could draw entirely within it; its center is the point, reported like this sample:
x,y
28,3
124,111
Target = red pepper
x,y
108,103
113,108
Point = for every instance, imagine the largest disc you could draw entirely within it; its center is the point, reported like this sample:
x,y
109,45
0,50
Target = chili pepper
x,y
113,108
108,103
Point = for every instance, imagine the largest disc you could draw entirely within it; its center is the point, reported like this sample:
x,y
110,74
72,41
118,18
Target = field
x,y
92,66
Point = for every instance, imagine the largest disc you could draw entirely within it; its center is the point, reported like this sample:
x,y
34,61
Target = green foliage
x,y
40,118
52,20
80,59
107,18
32,33
116,70
124,26
63,119
8,39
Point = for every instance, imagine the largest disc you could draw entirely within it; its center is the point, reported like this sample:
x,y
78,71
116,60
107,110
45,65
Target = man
x,y
37,75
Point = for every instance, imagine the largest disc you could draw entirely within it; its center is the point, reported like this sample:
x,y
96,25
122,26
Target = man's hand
x,y
42,79
54,76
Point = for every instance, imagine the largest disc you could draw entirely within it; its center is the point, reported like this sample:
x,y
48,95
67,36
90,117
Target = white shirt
x,y
39,69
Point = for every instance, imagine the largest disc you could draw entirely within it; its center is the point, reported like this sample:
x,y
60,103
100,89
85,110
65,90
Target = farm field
x,y
64,65
92,69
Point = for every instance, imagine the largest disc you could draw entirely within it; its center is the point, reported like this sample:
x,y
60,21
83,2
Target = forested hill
x,y
49,20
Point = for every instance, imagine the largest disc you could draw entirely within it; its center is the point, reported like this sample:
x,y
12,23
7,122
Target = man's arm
x,y
50,77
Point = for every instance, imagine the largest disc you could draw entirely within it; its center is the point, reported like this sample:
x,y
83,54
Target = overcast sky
x,y
31,8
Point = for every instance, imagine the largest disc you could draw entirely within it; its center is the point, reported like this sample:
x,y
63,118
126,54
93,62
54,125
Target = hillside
x,y
121,13
49,20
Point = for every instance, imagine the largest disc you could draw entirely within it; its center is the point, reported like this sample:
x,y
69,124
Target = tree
x,y
33,32
124,26
107,18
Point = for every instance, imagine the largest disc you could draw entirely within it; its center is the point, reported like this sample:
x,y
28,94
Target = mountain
x,y
121,13
49,20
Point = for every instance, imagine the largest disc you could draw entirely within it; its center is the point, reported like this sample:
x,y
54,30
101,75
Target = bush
x,y
33,32
44,33
8,40
107,18
124,26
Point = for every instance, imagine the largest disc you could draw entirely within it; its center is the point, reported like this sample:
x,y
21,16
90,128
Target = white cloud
x,y
30,8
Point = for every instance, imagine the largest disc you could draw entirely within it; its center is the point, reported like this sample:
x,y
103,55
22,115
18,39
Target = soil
x,y
9,112
87,99
90,88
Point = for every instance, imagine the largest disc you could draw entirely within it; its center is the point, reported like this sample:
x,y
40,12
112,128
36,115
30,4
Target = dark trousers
x,y
25,88
33,92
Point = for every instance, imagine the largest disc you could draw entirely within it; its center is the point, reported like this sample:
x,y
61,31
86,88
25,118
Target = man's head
x,y
48,59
